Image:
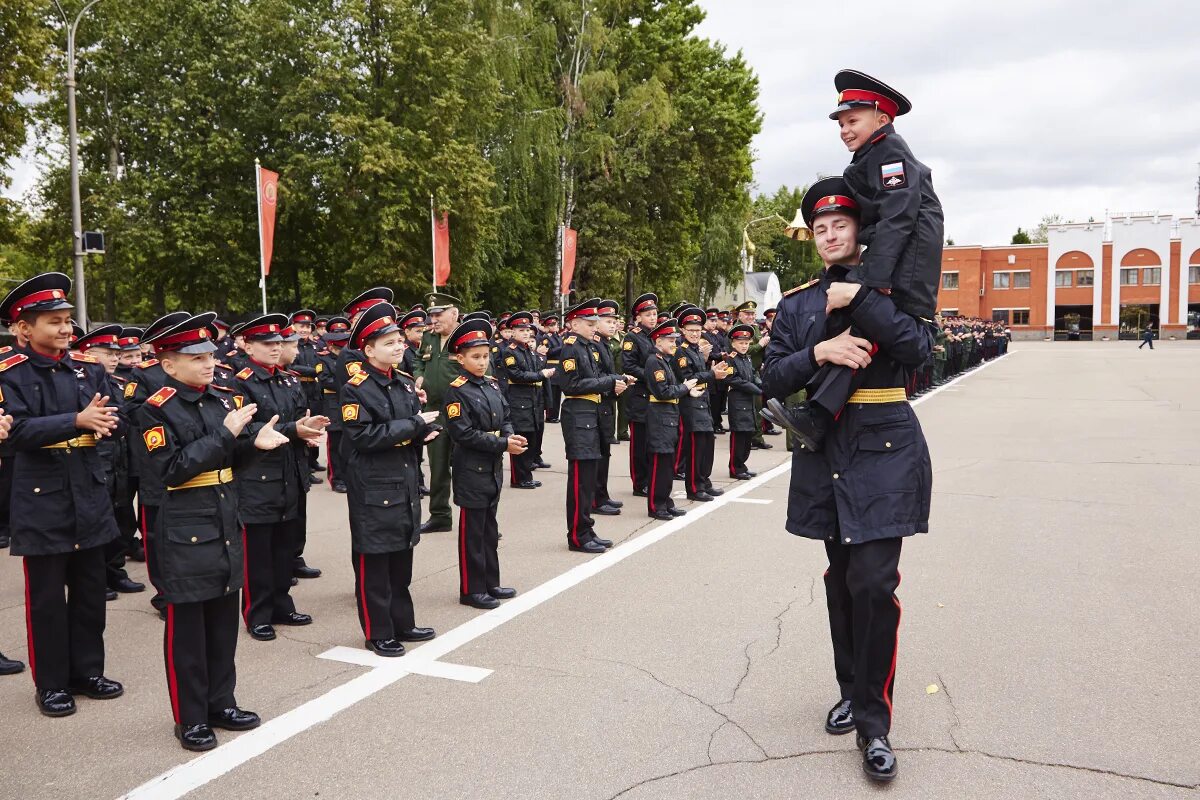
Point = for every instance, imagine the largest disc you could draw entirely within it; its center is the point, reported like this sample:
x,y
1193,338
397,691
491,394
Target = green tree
x,y
1021,237
1041,234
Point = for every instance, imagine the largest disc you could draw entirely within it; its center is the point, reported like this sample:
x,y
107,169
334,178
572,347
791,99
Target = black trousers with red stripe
x,y
581,490
269,552
381,581
520,467
478,556
335,459
697,460
739,451
65,616
639,459
864,621
661,482
601,496
199,642
147,515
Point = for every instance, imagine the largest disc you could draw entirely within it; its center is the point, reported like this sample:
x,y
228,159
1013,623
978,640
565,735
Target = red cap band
x,y
584,312
100,340
182,339
372,328
302,318
834,200
362,306
127,341
886,105
470,336
257,330
645,305
37,297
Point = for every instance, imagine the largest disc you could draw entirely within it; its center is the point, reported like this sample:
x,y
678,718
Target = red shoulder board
x,y
357,378
148,363
86,359
801,287
12,361
223,365
4,349
246,373
220,388
879,138
292,372
459,381
161,396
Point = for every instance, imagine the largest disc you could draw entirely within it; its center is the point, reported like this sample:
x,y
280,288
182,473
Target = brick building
x,y
1090,280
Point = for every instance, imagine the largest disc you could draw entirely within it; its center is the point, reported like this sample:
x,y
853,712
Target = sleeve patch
x,y
683,361
569,365
238,400
660,375
454,411
595,355
510,361
349,412
320,368
627,345
161,396
130,388
246,373
1,395
892,175
353,367
154,438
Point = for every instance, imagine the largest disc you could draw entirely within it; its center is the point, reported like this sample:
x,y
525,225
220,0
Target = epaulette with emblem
x,y
570,339
512,345
84,358
161,396
223,365
405,374
292,372
459,381
4,349
148,363
357,378
12,361
801,287
246,373
220,387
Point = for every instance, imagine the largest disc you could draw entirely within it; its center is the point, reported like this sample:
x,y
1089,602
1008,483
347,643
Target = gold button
x,y
887,444
264,477
835,476
37,490
847,540
194,540
227,543
76,547
385,502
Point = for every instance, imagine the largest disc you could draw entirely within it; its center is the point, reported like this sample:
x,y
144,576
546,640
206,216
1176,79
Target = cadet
x,y
61,516
662,418
698,440
270,495
413,324
634,351
350,360
603,502
337,333
582,384
554,342
289,354
479,424
714,334
525,377
305,367
434,371
744,389
382,422
193,439
871,484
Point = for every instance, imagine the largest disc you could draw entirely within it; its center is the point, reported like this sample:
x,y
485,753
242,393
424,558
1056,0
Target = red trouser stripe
x,y
29,622
732,450
245,577
329,457
362,593
575,516
679,447
887,684
462,550
172,680
633,476
653,483
512,470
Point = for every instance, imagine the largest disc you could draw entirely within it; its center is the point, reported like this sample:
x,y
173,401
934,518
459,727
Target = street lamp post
x,y
81,315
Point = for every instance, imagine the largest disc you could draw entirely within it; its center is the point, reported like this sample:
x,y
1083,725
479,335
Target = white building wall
x,y
1152,232
1087,238
1189,241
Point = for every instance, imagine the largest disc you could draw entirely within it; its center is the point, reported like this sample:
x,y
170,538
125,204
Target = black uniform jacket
x,y
382,433
477,416
608,400
522,368
146,379
901,220
331,407
271,491
583,379
635,349
697,417
60,500
182,435
743,385
662,413
872,479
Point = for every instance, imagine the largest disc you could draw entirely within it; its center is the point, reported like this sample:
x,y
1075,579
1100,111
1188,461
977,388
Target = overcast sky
x,y
1021,108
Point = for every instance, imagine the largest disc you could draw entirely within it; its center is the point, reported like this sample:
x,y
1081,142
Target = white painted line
x,y
413,663
755,500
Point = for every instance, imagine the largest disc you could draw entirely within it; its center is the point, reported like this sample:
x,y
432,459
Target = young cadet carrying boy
x,y
901,219
481,429
193,438
662,419
61,515
744,387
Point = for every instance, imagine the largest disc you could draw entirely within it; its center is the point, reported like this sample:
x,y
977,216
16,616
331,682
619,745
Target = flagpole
x,y
559,289
262,254
432,242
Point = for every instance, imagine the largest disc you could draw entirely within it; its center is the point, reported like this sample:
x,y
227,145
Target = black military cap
x,y
521,319
130,339
303,315
45,292
377,320
485,315
645,302
666,327
550,316
770,313
220,324
367,299
190,336
742,331
503,318
267,328
858,89
289,333
827,196
609,308
106,336
322,321
663,316
163,323
471,333
713,312
438,302
337,330
691,315
76,332
416,318
588,309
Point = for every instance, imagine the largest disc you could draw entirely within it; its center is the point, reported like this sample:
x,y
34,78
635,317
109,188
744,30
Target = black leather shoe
x,y
587,547
423,491
388,648
10,666
879,762
772,431
196,738
607,511
502,593
714,491
317,466
662,514
416,635
676,512
552,419
109,595
294,581
605,543
55,702
339,487
614,503
127,585
315,478
640,493
138,551
541,465
702,497
806,424
435,527
484,601
760,446
4,541
294,618
97,688
234,719
679,476
743,476
305,571
264,632
840,719
527,485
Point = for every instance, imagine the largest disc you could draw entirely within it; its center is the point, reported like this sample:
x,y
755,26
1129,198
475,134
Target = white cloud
x,y
1021,108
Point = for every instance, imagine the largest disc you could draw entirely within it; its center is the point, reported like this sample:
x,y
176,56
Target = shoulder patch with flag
x,y
349,412
154,438
161,396
893,176
454,411
130,388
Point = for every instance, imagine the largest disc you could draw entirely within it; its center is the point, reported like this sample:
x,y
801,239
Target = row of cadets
x,y
525,373
662,423
337,333
698,438
635,350
744,390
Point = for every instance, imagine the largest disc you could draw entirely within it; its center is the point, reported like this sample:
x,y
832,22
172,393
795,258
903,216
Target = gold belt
x,y
595,398
86,440
330,391
896,395
213,477
494,433
307,380
673,400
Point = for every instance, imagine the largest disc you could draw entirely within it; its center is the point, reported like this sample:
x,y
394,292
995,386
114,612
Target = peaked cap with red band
x,y
859,90
267,328
691,315
666,327
825,197
190,336
130,339
743,331
588,309
378,320
470,334
645,302
367,299
303,315
45,292
337,330
106,336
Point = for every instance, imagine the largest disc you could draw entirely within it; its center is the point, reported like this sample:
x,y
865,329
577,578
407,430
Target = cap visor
x,y
198,348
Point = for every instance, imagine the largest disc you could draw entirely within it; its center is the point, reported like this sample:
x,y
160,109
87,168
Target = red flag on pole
x,y
570,235
441,250
268,197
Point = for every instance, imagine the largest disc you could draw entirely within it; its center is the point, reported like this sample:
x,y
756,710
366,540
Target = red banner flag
x,y
570,236
268,197
441,250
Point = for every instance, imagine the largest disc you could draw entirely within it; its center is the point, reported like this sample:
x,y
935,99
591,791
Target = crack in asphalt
x,y
558,673
778,620
301,690
957,723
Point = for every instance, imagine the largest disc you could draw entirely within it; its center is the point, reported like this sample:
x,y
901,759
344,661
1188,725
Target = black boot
x,y
806,422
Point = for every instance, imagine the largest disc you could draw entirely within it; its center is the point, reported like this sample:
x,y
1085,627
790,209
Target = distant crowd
x,y
960,344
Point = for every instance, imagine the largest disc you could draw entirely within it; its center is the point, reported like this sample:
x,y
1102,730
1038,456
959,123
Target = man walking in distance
x,y
433,370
